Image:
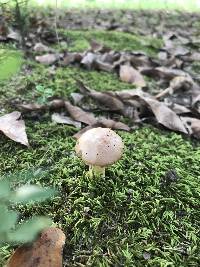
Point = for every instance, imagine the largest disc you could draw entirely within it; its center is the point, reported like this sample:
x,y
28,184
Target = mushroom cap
x,y
99,147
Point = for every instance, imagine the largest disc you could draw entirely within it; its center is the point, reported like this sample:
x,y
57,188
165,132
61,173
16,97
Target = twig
x,y
163,93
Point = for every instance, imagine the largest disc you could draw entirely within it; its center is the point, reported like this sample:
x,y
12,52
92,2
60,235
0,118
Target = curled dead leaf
x,y
58,118
193,126
116,125
163,114
110,101
14,128
79,114
163,72
176,84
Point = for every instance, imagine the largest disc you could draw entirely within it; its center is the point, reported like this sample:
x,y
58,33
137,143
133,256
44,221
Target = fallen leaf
x,y
116,125
58,118
196,103
54,104
14,128
89,60
13,35
100,65
179,82
47,59
178,109
71,58
163,72
40,47
106,123
130,75
31,107
79,114
113,103
164,115
193,126
98,47
76,97
46,251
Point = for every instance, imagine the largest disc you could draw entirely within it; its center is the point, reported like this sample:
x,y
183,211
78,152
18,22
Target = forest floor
x,y
145,212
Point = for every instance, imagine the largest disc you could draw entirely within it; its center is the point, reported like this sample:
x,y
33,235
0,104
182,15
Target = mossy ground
x,y
116,220
10,62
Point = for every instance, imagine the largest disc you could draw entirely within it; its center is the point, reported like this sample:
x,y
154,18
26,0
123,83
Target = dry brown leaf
x,y
100,65
76,97
79,114
54,104
130,75
88,60
58,118
98,47
31,107
106,123
193,126
14,128
40,47
110,101
176,84
116,125
163,114
163,72
196,103
46,251
47,59
70,58
178,109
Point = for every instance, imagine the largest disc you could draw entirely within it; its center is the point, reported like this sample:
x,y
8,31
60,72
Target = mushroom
x,y
98,148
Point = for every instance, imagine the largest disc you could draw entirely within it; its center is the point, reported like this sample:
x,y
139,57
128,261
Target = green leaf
x,y
7,219
49,92
40,88
28,193
29,230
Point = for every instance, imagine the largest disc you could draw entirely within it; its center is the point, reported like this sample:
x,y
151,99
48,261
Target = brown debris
x,y
46,251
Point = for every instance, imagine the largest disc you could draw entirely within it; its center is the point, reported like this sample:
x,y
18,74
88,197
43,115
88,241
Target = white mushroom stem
x,y
96,171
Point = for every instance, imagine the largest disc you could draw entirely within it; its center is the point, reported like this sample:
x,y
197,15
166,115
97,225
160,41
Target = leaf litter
x,y
177,94
181,95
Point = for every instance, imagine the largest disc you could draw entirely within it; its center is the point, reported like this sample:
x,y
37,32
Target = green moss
x,y
10,63
127,213
63,82
196,66
115,220
120,41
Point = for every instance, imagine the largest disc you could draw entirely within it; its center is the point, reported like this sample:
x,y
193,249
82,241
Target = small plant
x,y
11,232
43,94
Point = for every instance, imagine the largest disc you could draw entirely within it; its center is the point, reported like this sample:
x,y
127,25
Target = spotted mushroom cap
x,y
99,147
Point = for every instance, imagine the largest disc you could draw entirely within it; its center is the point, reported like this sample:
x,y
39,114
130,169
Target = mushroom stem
x,y
96,171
